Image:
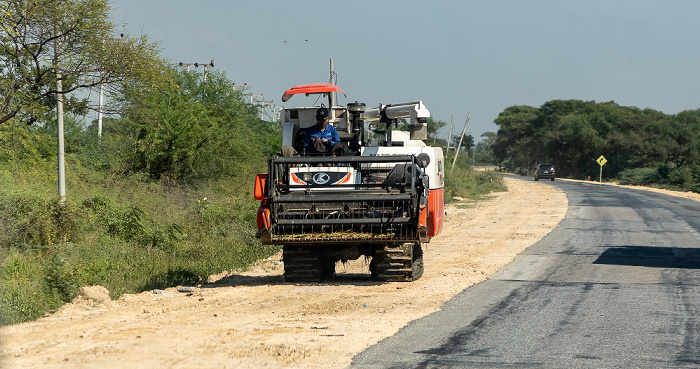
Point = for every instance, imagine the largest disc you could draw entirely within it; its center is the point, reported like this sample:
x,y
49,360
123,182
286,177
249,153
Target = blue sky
x,y
455,56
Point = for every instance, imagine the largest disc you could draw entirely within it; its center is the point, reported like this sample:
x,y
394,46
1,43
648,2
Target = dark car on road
x,y
544,171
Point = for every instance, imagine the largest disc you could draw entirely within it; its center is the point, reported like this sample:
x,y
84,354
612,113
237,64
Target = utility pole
x,y
278,113
102,93
61,142
449,136
196,65
252,96
333,95
274,112
264,104
460,141
59,118
99,112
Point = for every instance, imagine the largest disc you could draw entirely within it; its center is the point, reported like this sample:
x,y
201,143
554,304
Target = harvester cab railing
x,y
346,198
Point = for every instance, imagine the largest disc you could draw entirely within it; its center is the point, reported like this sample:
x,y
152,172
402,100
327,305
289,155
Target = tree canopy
x,y
196,128
74,40
572,134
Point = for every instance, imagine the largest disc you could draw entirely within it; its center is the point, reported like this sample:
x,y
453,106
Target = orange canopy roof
x,y
310,88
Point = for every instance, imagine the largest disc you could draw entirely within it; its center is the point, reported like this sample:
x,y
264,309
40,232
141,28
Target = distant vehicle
x,y
544,171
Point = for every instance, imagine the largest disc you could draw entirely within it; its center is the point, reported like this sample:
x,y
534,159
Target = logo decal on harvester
x,y
321,178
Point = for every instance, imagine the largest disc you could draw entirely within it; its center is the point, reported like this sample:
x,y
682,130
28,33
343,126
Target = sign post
x,y
601,161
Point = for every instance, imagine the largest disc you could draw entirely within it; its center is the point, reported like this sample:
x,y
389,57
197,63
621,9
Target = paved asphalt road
x,y
615,285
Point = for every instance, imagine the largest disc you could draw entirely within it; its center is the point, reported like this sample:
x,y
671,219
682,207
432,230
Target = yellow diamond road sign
x,y
602,160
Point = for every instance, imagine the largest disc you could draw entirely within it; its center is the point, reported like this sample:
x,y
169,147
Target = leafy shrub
x,y
21,145
35,219
134,235
686,178
108,152
61,275
680,176
23,295
184,132
131,223
467,183
639,176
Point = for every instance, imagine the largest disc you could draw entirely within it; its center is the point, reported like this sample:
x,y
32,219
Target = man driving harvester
x,y
322,137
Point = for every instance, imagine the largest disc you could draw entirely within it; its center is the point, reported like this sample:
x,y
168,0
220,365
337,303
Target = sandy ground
x,y
254,319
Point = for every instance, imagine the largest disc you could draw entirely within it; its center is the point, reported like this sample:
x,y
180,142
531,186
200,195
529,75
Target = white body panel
x,y
435,170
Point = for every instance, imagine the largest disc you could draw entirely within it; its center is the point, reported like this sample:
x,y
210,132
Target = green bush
x,y
35,219
20,145
686,178
639,176
680,176
128,234
467,183
23,294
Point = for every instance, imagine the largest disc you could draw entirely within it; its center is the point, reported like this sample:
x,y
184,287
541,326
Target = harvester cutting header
x,y
337,192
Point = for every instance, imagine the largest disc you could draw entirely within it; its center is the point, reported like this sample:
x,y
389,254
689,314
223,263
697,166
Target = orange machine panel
x,y
260,186
436,204
263,216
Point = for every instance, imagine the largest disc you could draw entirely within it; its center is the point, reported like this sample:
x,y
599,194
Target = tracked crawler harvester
x,y
381,199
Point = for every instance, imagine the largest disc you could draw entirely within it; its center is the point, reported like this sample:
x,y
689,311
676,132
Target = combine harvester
x,y
380,198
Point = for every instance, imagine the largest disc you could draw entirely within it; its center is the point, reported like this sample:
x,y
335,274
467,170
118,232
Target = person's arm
x,y
334,138
307,137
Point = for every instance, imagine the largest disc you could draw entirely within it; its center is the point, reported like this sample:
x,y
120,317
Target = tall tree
x,y
484,149
678,139
515,143
487,140
41,39
197,129
433,127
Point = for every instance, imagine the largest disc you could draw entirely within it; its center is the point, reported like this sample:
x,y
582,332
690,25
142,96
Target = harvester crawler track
x,y
306,263
399,263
